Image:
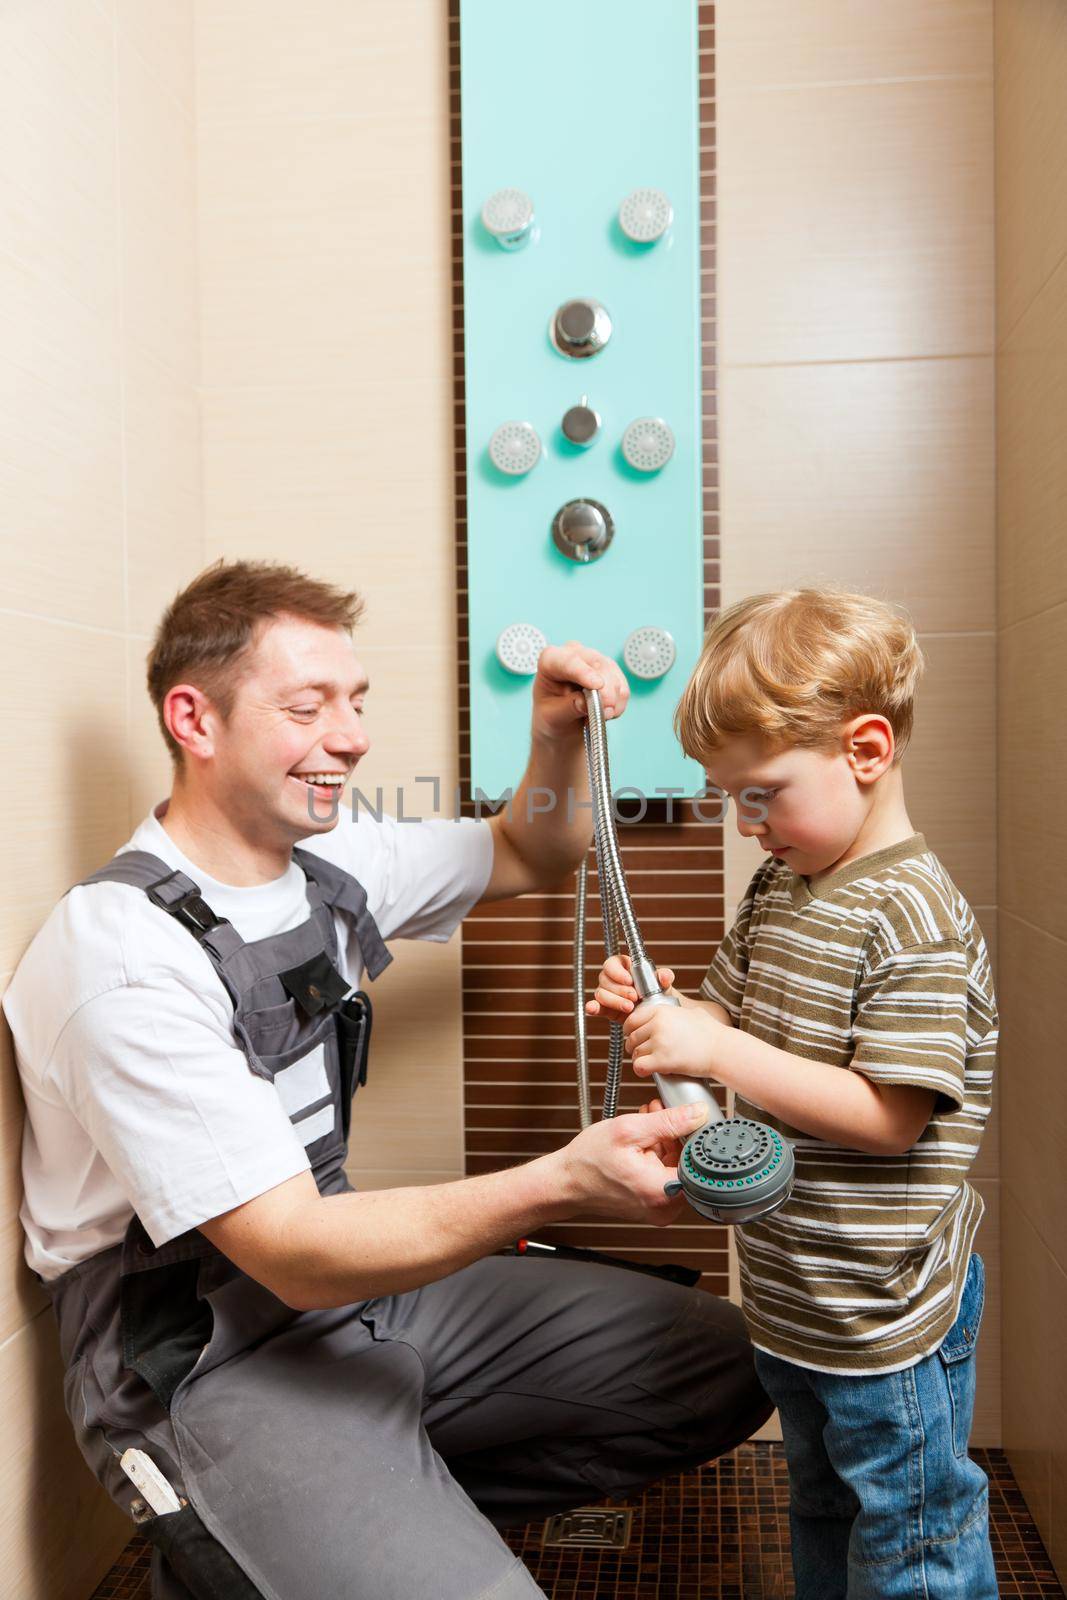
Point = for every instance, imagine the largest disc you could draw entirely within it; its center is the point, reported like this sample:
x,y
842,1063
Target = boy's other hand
x,y
616,996
682,1040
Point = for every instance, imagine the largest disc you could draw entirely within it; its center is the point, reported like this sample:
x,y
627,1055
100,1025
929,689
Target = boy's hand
x,y
682,1040
616,996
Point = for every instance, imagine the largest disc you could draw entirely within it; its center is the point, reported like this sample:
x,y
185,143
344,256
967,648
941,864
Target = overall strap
x,y
338,888
175,893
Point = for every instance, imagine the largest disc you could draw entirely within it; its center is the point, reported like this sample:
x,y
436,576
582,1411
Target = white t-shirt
x,y
138,1097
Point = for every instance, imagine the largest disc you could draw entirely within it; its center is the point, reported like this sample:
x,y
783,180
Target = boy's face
x,y
814,802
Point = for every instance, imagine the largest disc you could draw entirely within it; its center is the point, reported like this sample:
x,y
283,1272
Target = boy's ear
x,y
869,746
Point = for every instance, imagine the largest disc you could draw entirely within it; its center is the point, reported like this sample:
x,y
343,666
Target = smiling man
x,y
344,1391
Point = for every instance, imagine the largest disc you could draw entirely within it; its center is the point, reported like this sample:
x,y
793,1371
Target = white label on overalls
x,y
304,1082
315,1127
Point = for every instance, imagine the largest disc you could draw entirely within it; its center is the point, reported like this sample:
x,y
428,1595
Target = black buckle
x,y
191,909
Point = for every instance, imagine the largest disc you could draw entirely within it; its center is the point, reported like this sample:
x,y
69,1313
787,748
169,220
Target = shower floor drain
x,y
589,1528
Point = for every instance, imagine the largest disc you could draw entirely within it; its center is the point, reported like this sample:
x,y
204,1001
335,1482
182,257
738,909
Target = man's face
x,y
812,802
297,716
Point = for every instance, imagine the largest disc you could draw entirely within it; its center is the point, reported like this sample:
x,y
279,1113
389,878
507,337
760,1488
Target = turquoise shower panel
x,y
578,102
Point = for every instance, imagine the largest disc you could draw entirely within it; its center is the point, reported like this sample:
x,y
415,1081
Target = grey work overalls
x,y
366,1452
136,1320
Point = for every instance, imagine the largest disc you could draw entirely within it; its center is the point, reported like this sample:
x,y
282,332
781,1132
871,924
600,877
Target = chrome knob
x,y
581,424
580,328
582,530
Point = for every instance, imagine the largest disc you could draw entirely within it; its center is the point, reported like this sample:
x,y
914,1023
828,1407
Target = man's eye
x,y
304,711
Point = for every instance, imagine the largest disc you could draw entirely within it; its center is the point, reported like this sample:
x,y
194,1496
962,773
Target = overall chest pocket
x,y
303,1063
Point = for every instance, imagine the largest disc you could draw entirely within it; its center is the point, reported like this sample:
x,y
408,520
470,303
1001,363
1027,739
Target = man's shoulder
x,y
98,938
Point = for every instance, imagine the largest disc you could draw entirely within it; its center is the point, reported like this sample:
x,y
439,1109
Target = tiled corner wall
x,y
1031,173
100,464
856,385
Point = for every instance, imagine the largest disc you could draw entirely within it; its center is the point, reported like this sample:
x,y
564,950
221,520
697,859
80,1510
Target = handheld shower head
x,y
732,1169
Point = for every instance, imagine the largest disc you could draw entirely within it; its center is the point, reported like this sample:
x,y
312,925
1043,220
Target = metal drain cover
x,y
589,1528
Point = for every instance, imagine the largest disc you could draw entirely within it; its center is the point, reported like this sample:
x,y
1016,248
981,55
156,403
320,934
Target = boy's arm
x,y
830,1103
910,1033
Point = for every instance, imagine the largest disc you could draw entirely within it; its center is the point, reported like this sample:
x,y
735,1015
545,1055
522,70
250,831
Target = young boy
x,y
850,1006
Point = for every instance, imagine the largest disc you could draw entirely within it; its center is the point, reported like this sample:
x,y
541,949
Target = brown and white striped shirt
x,y
879,968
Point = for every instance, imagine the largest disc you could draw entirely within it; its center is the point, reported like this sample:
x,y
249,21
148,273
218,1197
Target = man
x,y
345,1390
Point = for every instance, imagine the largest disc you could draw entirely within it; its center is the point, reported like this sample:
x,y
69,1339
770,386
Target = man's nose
x,y
348,736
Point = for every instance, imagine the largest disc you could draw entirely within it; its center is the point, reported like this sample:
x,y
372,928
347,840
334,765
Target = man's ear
x,y
190,716
869,746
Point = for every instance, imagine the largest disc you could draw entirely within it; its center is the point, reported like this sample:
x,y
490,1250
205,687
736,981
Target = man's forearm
x,y
549,823
352,1247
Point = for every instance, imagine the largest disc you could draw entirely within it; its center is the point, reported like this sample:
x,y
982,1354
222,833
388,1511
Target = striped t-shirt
x,y
881,968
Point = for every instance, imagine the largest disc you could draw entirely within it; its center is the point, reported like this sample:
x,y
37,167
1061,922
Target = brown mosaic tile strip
x,y
721,1533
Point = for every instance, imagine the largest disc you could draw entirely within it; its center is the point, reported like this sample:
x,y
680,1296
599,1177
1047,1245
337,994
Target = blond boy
x,y
851,1006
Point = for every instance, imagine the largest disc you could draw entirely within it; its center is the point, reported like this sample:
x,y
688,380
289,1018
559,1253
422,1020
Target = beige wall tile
x,y
60,453
878,475
986,1429
325,251
762,43
1034,1091
61,1532
149,773
1032,463
263,60
21,1296
1032,1284
411,1109
65,716
1032,763
856,223
58,194
312,476
949,769
162,33
411,719
157,167
1031,116
400,1177
164,497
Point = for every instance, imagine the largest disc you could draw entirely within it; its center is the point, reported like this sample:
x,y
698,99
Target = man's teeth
x,y
332,779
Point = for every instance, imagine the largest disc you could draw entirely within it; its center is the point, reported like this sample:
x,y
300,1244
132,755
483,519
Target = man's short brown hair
x,y
213,625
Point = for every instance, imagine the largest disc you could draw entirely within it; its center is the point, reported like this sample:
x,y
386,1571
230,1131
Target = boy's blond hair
x,y
794,665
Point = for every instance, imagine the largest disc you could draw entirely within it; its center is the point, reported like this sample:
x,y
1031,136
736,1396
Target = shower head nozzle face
x,y
648,653
518,648
648,444
645,215
508,215
515,448
737,1170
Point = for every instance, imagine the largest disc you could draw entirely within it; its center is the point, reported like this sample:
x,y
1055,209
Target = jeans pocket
x,y
957,1353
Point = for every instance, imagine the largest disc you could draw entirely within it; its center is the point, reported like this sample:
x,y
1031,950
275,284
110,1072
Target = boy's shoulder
x,y
904,903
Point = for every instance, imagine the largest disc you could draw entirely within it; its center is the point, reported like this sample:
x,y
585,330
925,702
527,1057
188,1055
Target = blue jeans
x,y
884,1501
